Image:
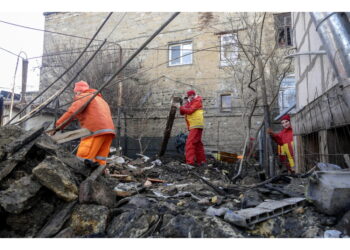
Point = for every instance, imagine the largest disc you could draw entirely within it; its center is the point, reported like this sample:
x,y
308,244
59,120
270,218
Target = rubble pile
x,y
45,191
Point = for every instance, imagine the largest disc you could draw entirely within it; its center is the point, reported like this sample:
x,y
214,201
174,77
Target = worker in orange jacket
x,y
284,139
193,111
96,117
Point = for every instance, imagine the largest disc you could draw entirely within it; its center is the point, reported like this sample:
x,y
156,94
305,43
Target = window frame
x,y
282,93
233,59
181,57
284,26
225,109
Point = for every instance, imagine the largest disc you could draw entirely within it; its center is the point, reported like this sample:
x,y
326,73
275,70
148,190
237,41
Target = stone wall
x,y
224,130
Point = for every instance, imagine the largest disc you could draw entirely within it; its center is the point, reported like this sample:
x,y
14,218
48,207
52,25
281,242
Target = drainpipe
x,y
119,100
334,31
24,79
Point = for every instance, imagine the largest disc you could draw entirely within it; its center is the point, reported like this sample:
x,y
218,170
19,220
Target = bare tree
x,y
258,71
105,63
143,114
134,91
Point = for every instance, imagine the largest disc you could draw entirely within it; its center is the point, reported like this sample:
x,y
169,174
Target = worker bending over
x,y
96,117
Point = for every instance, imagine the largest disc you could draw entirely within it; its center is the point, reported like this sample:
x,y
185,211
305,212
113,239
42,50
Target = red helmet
x,y
191,92
285,117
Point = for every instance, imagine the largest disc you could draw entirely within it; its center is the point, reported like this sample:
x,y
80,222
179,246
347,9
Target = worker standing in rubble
x,y
193,111
284,139
96,117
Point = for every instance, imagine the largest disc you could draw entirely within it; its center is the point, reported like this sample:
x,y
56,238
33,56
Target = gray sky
x,y
17,39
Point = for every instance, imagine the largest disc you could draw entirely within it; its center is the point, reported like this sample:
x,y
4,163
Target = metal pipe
x,y
334,31
70,67
321,52
24,79
172,17
119,101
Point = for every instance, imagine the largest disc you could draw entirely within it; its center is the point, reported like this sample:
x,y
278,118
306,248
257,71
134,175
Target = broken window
x,y
228,49
284,29
286,96
225,102
180,54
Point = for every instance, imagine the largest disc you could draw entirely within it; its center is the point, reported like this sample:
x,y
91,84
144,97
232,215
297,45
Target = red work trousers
x,y
95,148
194,147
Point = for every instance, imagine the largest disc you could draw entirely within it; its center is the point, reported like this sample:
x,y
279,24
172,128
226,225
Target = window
x,y
228,49
180,54
284,29
225,102
286,95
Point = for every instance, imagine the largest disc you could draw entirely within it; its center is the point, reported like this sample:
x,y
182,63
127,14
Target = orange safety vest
x,y
193,112
96,117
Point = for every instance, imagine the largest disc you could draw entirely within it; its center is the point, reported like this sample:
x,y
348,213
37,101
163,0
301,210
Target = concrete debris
x,y
321,166
45,191
115,159
332,234
127,189
89,220
54,175
94,192
266,210
144,157
211,211
57,221
147,183
330,191
343,224
20,195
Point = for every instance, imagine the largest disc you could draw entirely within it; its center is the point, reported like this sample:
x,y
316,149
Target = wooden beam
x,y
347,160
169,125
71,135
323,145
299,154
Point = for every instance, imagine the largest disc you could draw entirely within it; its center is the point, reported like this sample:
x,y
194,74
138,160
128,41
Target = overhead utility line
x,y
87,46
120,69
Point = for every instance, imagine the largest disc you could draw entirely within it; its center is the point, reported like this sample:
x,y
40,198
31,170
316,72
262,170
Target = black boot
x,y
91,165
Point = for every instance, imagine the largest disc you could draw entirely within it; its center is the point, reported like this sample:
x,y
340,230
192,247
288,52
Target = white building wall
x,y
314,74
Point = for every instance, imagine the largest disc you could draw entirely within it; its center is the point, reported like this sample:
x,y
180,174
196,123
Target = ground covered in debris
x,y
46,192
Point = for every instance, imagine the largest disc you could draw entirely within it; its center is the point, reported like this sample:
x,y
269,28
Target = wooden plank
x,y
298,154
57,221
71,135
323,145
347,160
169,126
26,138
156,180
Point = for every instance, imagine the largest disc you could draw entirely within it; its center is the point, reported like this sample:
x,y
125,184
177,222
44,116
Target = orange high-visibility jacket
x,y
193,112
284,140
96,117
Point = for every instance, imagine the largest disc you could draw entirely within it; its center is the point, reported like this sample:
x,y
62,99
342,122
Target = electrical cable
x,y
71,66
121,68
121,19
11,53
86,38
23,119
144,71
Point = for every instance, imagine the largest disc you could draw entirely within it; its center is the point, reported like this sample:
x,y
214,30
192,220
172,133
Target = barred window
x,y
284,29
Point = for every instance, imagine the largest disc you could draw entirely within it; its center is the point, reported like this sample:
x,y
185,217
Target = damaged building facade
x,y
322,71
45,191
197,51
